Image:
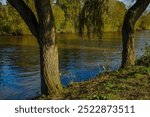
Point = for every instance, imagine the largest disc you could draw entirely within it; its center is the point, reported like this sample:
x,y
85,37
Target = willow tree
x,y
132,15
43,28
71,9
91,17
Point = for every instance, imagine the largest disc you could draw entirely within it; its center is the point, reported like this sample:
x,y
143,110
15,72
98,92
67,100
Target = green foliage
x,y
59,18
11,23
71,9
113,20
68,27
144,22
145,59
91,17
88,16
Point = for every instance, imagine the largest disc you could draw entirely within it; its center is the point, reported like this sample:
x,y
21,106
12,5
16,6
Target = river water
x,y
80,59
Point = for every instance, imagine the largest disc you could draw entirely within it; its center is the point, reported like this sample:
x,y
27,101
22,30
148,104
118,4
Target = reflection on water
x,y
80,59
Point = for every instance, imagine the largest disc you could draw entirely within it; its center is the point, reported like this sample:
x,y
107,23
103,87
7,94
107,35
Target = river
x,y
80,59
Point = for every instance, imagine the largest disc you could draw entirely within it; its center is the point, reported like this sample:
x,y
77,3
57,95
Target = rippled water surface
x,y
80,59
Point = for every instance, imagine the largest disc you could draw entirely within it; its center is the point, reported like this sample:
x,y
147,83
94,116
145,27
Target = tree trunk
x,y
50,81
132,15
128,54
43,28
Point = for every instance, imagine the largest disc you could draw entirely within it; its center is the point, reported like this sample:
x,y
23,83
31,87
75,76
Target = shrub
x,y
145,59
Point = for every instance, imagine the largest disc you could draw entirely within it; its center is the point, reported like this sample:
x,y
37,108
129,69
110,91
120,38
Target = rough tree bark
x,y
43,29
132,15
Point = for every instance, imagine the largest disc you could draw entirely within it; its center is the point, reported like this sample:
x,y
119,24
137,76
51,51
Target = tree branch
x,y
27,15
132,15
137,9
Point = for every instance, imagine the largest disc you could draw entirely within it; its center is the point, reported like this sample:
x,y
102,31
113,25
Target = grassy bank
x,y
131,83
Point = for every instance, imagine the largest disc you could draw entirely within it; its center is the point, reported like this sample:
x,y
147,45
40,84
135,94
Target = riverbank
x,y
131,84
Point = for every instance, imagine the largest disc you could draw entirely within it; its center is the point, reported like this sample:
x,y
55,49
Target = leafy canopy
x,y
91,17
